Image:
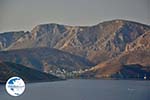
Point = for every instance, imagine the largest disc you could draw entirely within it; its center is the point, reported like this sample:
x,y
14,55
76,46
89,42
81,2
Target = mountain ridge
x,y
107,36
102,44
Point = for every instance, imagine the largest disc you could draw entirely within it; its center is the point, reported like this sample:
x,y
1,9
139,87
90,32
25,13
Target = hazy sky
x,y
25,14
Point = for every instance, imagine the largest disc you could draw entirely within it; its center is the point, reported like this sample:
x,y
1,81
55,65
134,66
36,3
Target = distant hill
x,y
45,59
104,49
8,70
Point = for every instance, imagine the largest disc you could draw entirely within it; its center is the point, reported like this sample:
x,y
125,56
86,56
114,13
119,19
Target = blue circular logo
x,y
15,86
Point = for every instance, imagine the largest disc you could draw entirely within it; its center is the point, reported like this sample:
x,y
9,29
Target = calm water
x,y
84,90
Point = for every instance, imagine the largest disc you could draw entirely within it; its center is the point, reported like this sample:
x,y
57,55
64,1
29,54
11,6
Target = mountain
x,y
8,70
111,48
45,59
96,43
132,63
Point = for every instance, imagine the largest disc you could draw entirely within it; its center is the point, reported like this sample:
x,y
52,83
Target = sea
x,y
83,89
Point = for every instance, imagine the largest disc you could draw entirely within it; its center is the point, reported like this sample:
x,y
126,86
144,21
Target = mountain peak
x,y
123,21
109,36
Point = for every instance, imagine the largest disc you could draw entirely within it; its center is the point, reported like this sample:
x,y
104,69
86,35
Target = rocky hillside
x,y
8,38
134,62
8,70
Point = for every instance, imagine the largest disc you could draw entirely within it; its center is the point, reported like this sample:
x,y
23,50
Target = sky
x,y
18,15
